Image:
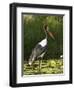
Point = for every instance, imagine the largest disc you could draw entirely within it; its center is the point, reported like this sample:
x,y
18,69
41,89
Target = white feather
x,y
43,42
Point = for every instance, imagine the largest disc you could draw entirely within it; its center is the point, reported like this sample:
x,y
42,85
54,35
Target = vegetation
x,y
47,67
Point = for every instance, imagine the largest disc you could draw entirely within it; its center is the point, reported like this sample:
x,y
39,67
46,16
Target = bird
x,y
41,47
61,56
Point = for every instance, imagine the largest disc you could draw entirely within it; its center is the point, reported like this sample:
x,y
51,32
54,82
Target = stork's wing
x,y
38,50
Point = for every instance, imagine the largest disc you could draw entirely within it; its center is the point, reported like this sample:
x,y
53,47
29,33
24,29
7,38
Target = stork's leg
x,y
40,61
40,65
33,67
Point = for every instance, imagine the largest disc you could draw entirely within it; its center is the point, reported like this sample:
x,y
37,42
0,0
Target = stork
x,y
40,49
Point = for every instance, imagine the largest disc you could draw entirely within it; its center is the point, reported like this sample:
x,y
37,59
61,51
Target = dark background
x,y
33,33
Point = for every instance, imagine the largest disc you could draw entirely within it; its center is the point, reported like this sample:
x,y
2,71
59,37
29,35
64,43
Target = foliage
x,y
47,67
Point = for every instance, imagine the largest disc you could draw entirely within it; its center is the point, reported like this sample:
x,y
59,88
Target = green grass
x,y
47,67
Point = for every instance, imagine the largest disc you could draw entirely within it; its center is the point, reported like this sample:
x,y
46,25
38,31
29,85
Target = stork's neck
x,y
46,34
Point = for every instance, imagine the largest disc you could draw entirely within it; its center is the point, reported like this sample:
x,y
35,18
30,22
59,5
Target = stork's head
x,y
46,29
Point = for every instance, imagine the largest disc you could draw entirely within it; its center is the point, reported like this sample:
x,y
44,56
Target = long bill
x,y
51,35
